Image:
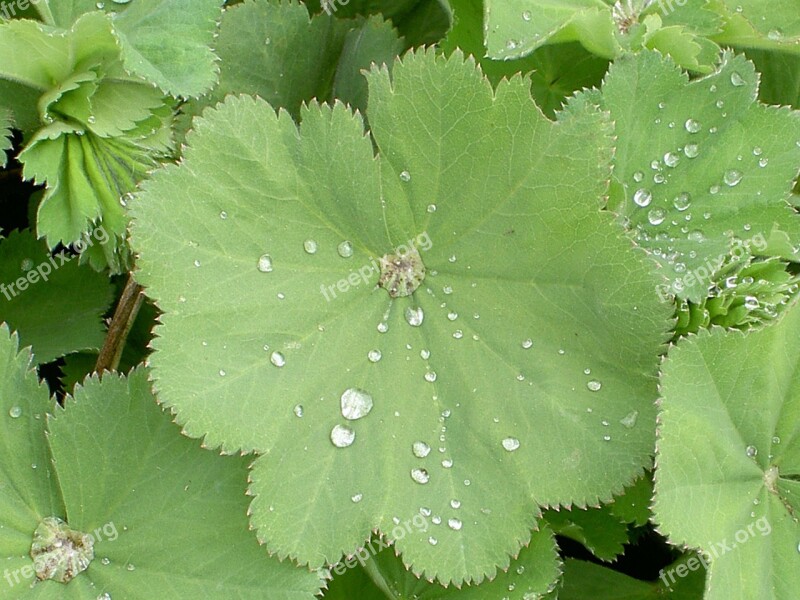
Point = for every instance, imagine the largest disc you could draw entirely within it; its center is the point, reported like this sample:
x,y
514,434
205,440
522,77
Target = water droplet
x,y
751,451
656,216
433,541
430,376
310,246
696,236
629,420
751,303
527,344
342,436
197,263
277,359
458,334
691,150
130,567
447,463
298,410
713,190
424,354
374,355
452,258
776,440
454,524
682,201
222,373
642,197
420,449
356,498
414,316
431,208
356,404
15,412
383,327
527,16
452,316
105,561
692,126
265,264
732,177
420,476
671,159
737,80
594,385
345,249
763,162
447,290
405,176
638,176
607,438
510,444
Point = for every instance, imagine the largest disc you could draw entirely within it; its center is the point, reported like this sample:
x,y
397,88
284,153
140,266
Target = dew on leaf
x,y
692,126
671,159
265,263
656,216
594,385
458,334
763,162
447,463
277,359
420,476
414,316
355,404
356,498
691,150
630,419
607,438
452,316
638,176
298,410
527,344
732,177
682,201
342,436
454,524
374,356
15,412
751,451
642,197
345,249
223,215
383,327
310,246
433,541
527,16
405,176
60,553
431,208
510,444
430,376
456,504
420,449
737,80
751,303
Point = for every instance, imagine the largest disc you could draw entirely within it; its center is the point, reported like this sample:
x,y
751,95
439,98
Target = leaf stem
x,y
124,316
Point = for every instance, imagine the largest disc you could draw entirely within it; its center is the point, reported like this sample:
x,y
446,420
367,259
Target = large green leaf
x,y
259,342
168,520
382,576
729,457
55,304
702,171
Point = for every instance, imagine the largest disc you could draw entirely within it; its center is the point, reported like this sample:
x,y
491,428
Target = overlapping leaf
x,y
770,25
55,304
260,340
167,518
702,171
728,457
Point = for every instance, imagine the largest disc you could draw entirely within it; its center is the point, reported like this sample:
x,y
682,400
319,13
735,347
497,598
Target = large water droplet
x,y
414,316
277,359
356,404
405,176
594,385
737,80
510,444
671,159
691,150
310,246
265,264
682,201
420,476
374,355
342,436
642,197
732,177
420,449
345,249
15,412
692,126
656,216
454,524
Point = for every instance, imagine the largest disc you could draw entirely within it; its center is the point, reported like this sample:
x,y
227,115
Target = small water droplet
x,y
356,498
414,316
342,436
374,356
130,567
737,80
431,208
671,159
383,327
345,249
751,451
277,359
638,176
454,524
776,440
642,197
430,376
405,176
310,246
691,150
682,201
433,541
594,385
656,216
355,404
607,438
692,126
751,303
510,444
763,162
630,419
222,373
15,412
447,463
298,410
265,263
527,344
527,16
732,177
420,449
420,476
452,316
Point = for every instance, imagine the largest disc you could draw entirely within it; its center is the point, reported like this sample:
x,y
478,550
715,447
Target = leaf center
x,y
402,273
58,552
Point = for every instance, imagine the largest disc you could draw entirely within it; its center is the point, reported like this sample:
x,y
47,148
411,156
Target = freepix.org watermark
x,y
9,10
43,271
704,273
358,276
716,550
419,523
107,532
